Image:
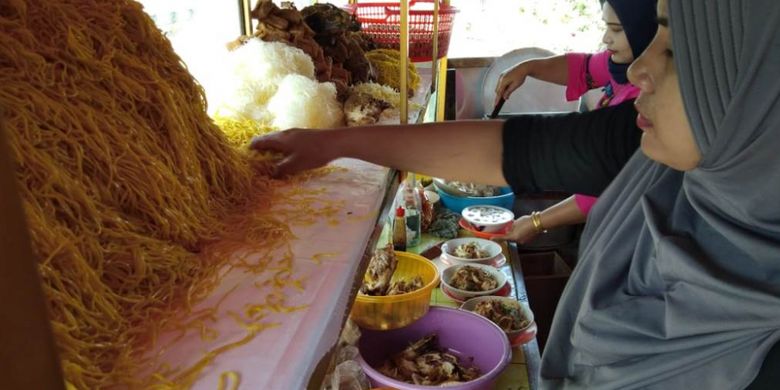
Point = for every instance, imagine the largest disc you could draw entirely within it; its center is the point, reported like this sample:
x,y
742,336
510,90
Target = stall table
x,y
293,354
523,371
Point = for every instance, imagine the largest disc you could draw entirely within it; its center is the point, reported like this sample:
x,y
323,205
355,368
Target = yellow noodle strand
x,y
230,378
135,199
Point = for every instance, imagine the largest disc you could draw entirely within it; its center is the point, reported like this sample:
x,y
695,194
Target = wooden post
x,y
244,9
441,88
404,63
28,359
435,54
441,82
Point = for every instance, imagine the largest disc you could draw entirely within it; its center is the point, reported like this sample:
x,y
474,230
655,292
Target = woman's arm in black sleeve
x,y
576,152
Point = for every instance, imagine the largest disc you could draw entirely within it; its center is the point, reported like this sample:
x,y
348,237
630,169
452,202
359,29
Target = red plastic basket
x,y
382,22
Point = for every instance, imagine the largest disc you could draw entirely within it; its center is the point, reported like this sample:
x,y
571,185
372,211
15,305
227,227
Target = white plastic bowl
x,y
432,196
525,310
448,250
488,218
462,295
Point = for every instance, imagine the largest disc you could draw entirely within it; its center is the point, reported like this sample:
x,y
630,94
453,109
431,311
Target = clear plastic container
x,y
409,199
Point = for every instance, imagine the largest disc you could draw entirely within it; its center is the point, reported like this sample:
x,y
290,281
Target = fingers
x,y
499,96
500,87
269,143
279,143
289,166
511,87
500,83
503,90
300,148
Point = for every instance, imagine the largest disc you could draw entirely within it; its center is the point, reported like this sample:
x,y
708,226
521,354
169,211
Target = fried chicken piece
x,y
380,270
473,279
425,363
404,286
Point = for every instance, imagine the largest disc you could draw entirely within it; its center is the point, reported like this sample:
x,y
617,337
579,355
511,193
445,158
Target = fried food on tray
x,y
508,317
335,30
426,363
473,279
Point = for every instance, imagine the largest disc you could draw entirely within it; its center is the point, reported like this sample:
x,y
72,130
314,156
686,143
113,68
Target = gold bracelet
x,y
536,219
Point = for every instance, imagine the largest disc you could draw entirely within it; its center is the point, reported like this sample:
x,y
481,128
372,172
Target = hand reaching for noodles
x,y
302,150
467,150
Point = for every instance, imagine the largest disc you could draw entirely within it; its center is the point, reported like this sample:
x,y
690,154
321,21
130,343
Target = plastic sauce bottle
x,y
412,204
399,230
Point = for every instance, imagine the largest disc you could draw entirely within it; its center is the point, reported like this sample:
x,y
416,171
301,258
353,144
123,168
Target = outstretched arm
x,y
551,69
563,213
574,152
458,150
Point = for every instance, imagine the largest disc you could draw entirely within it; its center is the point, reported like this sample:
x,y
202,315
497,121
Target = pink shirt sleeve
x,y
577,86
584,202
577,83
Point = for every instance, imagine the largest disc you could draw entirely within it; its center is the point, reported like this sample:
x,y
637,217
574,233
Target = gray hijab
x,y
678,283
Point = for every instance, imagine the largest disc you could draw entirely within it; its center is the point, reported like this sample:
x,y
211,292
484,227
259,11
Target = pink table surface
x,y
285,356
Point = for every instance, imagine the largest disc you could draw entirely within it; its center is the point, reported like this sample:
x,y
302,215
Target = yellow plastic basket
x,y
396,311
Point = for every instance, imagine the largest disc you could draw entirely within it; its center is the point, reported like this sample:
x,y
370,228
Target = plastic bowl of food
x,y
432,197
512,316
458,280
506,199
395,311
488,218
470,250
461,333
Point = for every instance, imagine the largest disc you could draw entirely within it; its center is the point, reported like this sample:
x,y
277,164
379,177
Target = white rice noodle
x,y
304,103
252,73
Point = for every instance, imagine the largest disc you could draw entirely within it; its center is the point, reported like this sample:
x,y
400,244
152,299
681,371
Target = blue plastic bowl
x,y
458,203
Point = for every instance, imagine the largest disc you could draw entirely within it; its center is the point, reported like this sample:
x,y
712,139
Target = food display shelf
x,y
327,255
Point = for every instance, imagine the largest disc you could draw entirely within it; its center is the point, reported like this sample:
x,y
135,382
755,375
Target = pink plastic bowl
x,y
464,333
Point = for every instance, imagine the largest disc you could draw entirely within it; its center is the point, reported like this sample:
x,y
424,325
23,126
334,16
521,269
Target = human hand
x,y
509,81
302,149
522,231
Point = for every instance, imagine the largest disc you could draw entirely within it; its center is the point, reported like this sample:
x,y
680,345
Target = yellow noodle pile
x,y
124,179
387,64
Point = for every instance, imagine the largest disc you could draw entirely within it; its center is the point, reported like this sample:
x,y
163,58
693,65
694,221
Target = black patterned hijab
x,y
638,20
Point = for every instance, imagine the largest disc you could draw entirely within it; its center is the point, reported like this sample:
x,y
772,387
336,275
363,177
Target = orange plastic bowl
x,y
397,311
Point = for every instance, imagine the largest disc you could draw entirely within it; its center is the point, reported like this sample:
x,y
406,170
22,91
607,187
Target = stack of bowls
x,y
488,218
463,295
448,249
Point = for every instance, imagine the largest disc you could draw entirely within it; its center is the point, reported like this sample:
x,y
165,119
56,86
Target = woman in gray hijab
x,y
678,282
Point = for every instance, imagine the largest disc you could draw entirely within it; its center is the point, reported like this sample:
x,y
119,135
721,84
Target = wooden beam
x,y
28,358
